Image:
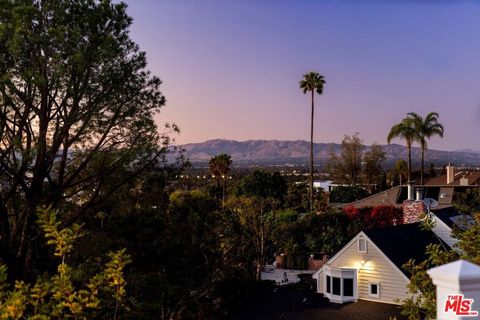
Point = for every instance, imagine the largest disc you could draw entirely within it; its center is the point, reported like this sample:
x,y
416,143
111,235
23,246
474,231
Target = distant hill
x,y
277,152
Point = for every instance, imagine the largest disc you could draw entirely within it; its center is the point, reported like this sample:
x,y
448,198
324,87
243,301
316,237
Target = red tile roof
x,y
472,176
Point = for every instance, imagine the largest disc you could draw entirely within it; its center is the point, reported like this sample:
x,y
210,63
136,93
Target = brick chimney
x,y
450,174
413,211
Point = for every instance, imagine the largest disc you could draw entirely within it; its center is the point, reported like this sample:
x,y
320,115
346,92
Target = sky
x,y
230,68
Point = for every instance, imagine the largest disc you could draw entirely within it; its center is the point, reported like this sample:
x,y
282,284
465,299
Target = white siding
x,y
320,282
393,285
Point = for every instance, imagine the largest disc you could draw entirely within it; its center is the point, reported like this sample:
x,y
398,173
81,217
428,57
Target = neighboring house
x,y
326,185
440,188
390,197
455,177
397,195
369,267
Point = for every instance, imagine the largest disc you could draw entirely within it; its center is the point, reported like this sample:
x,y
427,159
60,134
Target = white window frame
x,y
341,273
377,295
358,245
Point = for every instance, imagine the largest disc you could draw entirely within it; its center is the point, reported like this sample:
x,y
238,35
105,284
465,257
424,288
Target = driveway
x,y
298,302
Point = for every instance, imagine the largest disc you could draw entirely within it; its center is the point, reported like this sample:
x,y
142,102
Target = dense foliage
x,y
422,303
86,171
376,217
59,296
76,114
347,194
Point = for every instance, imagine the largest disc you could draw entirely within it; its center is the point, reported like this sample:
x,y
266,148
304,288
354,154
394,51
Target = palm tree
x,y
425,129
405,130
219,166
312,82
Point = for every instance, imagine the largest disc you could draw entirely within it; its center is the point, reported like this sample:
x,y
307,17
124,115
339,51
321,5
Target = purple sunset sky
x,y
231,68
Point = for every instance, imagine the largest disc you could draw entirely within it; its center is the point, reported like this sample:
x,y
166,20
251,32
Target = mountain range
x,y
281,152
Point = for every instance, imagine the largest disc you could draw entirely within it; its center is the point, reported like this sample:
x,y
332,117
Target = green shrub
x,y
57,296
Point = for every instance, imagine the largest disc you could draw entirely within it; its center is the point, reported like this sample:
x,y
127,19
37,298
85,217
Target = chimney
x,y
464,180
419,194
450,174
410,190
413,211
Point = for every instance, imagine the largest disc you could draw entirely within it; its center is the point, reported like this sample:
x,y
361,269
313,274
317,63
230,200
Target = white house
x,y
369,267
326,185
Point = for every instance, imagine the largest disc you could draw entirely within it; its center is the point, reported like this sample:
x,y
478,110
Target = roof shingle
x,y
403,242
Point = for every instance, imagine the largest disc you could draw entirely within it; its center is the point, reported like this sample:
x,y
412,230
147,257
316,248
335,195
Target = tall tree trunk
x,y
423,158
311,154
260,261
258,271
217,195
409,147
223,195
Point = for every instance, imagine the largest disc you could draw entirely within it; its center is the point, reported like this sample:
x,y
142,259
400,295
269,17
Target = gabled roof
x,y
403,242
388,198
361,234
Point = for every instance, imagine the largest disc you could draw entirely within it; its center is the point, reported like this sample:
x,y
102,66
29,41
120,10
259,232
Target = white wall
x,y
393,283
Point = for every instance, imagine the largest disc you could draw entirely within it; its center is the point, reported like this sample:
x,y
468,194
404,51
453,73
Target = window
x,y
362,245
374,289
340,284
336,286
348,287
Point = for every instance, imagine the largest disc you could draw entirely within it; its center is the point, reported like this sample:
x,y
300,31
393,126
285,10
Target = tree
x,y
76,107
347,167
59,296
384,216
297,198
422,302
171,244
259,196
425,129
347,194
263,184
353,165
312,82
405,130
373,166
329,231
256,216
219,166
400,170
